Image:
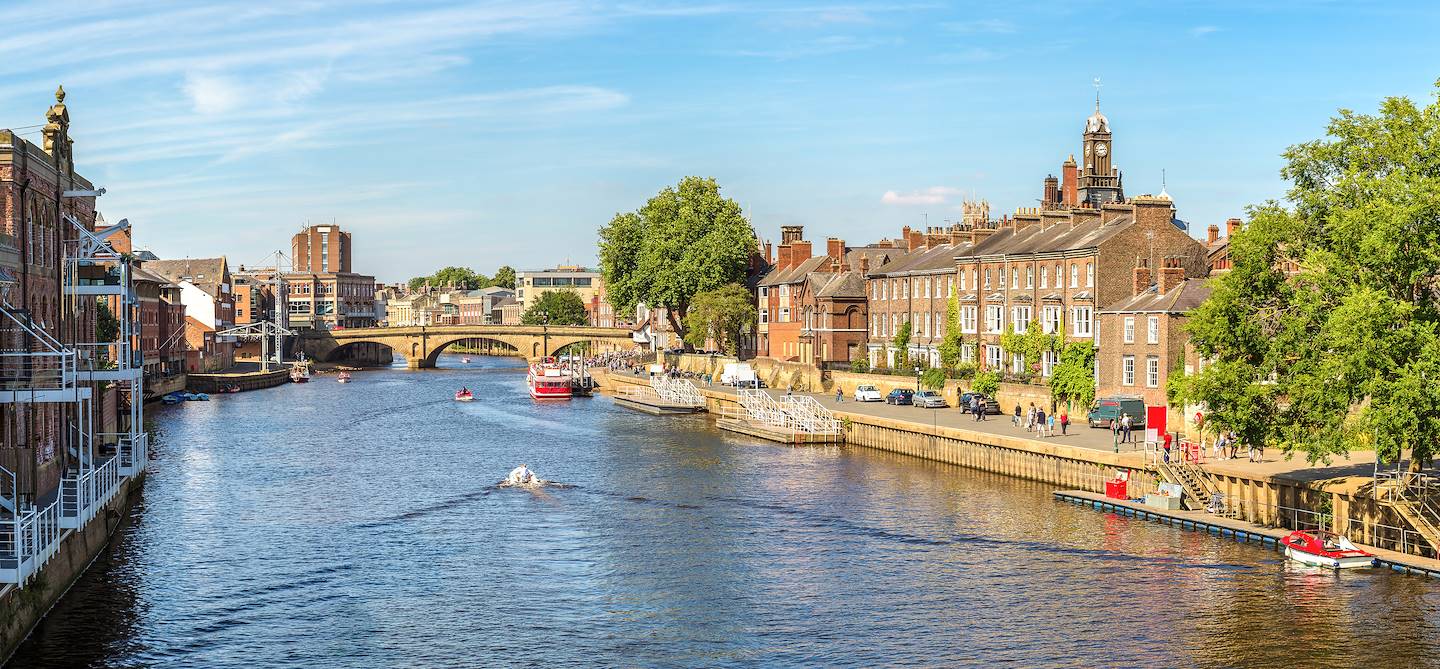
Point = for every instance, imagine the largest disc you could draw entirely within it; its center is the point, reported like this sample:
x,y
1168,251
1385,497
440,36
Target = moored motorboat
x,y
1325,549
548,380
464,395
343,378
300,375
173,398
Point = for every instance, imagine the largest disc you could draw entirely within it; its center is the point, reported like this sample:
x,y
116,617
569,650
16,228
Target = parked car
x,y
929,399
1107,409
868,394
899,396
991,406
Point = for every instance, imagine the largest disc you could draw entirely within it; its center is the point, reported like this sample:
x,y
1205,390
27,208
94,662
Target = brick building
x,y
1142,338
914,287
813,308
322,290
206,291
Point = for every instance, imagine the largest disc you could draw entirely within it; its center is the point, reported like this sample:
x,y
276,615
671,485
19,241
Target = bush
x,y
965,370
986,382
860,366
933,379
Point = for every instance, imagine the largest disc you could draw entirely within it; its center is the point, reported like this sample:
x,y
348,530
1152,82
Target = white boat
x,y
344,377
1325,549
464,395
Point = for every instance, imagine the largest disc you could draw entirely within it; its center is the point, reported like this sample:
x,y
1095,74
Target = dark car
x,y
991,406
899,396
1108,409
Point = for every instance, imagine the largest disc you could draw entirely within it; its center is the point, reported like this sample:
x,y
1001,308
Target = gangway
x,y
792,419
663,396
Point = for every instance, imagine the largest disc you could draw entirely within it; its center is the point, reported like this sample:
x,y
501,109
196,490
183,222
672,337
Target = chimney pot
x,y
1212,234
1231,227
1172,274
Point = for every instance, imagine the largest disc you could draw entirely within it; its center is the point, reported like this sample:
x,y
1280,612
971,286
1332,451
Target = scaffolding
x,y
37,368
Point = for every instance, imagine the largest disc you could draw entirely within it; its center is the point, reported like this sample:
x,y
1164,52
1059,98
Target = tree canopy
x,y
725,314
1072,379
1323,335
556,307
465,278
686,240
1030,344
952,342
504,277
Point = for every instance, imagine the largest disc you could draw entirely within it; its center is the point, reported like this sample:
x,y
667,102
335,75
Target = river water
x,y
357,525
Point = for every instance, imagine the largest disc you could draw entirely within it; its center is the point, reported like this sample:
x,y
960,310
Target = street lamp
x,y
544,334
917,378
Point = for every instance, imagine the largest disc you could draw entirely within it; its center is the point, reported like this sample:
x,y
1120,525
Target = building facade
x,y
1142,338
531,284
206,291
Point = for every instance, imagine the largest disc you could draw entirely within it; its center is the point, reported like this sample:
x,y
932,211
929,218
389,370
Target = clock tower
x,y
1099,180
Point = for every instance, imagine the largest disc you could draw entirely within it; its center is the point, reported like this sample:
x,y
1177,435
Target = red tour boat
x,y
1325,549
548,381
464,395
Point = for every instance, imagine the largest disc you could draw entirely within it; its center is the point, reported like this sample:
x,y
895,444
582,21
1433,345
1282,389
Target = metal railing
x,y
791,413
31,359
27,541
83,493
810,415
677,391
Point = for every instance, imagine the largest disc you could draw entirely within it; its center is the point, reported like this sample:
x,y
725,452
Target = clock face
x,y
1100,149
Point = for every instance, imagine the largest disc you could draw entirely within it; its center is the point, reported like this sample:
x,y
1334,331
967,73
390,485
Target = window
x,y
1152,371
926,322
764,315
1080,317
1044,275
1153,334
1089,275
1029,277
1017,364
905,289
967,353
967,319
1047,362
1127,370
987,279
950,291
927,286
1052,316
884,290
1014,279
784,314
784,291
1020,316
1074,275
1001,284
1129,329
962,279
583,282
1059,276
994,318
994,357
764,293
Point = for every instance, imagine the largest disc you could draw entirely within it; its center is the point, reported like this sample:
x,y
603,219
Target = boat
x,y
173,398
231,389
547,380
195,397
465,360
1325,549
300,375
343,378
464,395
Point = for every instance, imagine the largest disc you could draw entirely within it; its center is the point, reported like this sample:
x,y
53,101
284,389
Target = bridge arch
x,y
501,345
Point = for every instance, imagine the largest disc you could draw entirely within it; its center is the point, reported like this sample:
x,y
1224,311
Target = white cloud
x,y
211,94
1201,31
931,195
991,26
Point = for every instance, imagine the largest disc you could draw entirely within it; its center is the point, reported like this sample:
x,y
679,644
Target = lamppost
x,y
544,334
917,378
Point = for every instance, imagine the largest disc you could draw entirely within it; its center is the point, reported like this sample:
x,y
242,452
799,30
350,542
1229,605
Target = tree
x,y
986,382
504,277
556,307
107,326
686,240
933,379
953,342
1325,333
902,346
1072,380
417,283
1031,344
463,278
725,314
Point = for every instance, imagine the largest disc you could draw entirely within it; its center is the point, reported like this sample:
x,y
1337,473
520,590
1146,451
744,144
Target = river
x,y
357,525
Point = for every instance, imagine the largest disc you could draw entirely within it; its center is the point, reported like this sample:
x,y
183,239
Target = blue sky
x,y
480,134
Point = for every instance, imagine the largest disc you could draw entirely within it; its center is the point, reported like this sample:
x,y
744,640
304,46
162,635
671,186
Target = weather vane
x,y
1097,93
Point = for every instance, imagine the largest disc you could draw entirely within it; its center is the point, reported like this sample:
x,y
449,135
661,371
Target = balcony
x,y
96,280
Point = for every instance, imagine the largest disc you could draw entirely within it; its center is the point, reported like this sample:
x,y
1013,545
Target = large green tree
x,y
725,314
556,307
953,341
1072,379
686,240
504,277
463,278
1323,335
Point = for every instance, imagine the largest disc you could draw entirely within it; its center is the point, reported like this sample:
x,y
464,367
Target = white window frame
x,y
1074,275
1044,275
1127,370
764,316
784,315
1129,330
1080,321
1152,371
968,316
1020,317
1089,275
994,357
1052,318
994,319
1029,277
1152,333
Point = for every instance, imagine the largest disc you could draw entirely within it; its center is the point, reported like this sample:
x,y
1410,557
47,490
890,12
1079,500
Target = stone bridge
x,y
421,345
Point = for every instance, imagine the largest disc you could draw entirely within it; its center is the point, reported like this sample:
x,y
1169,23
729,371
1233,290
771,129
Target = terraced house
x,y
915,288
814,309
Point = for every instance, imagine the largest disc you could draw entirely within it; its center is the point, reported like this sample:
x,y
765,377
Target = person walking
x,y
975,406
839,395
1030,418
1064,421
1125,435
984,408
1040,423
1016,420
1050,429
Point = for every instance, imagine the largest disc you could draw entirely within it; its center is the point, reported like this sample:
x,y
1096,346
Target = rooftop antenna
x,y
1097,94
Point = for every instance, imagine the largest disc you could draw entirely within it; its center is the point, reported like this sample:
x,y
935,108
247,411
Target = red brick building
x,y
1142,337
813,308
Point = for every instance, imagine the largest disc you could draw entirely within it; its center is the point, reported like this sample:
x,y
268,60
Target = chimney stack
x,y
1172,274
916,239
1051,197
799,252
864,264
769,257
1232,226
835,248
1070,182
790,234
783,260
1212,234
1142,276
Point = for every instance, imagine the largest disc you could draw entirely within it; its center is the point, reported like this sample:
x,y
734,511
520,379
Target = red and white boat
x,y
344,377
548,380
464,395
1325,549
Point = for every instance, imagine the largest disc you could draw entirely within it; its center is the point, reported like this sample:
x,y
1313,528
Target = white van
x,y
739,374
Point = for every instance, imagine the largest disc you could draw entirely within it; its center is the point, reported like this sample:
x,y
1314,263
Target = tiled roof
x,y
206,273
843,284
795,274
1182,298
934,259
1052,239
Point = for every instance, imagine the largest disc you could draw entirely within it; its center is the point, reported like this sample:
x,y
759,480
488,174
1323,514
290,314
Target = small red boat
x,y
1325,549
548,380
464,395
343,378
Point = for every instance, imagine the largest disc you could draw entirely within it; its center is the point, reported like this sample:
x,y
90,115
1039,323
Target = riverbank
x,y
1274,493
238,377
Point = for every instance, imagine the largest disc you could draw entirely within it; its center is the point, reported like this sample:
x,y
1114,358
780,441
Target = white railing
x,y
27,541
133,453
23,367
84,493
677,391
760,407
809,415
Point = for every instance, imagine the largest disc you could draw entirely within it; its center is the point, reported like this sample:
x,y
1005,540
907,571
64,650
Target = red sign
x,y
1154,423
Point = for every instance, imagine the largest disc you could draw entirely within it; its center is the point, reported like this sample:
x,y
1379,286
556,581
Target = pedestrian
x,y
1016,420
1167,447
1234,442
984,408
1030,418
1050,428
1064,421
1125,435
1220,446
1040,422
975,406
839,395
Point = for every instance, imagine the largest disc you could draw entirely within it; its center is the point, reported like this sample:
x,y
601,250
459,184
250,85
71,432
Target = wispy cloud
x,y
820,46
980,26
932,195
1201,31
